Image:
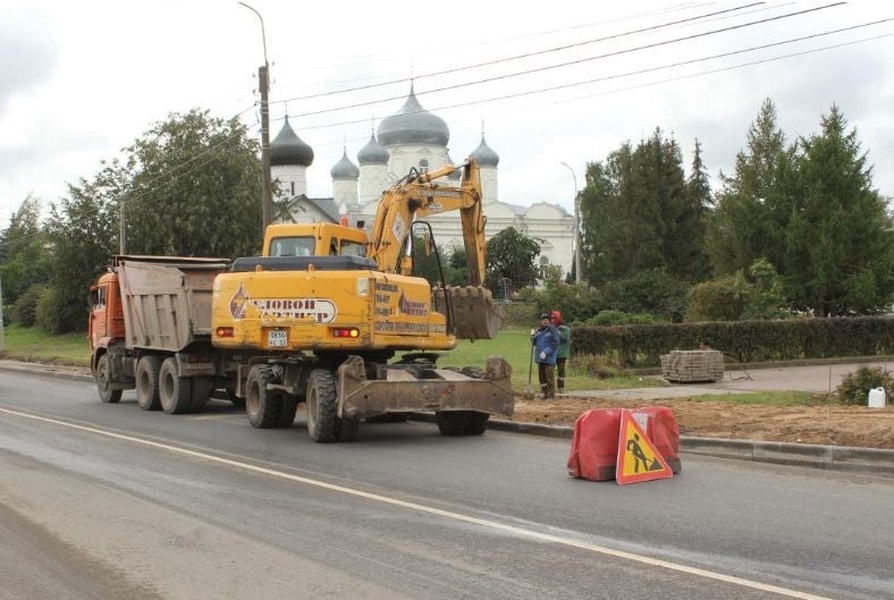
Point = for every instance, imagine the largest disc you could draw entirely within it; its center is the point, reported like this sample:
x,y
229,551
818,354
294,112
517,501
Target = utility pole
x,y
575,250
121,245
264,84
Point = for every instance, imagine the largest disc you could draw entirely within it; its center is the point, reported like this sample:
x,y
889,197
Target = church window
x,y
423,165
293,188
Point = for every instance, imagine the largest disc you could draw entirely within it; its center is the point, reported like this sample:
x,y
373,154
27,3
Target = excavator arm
x,y
474,314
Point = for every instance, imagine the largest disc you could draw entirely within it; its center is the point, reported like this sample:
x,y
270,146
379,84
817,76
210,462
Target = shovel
x,y
529,391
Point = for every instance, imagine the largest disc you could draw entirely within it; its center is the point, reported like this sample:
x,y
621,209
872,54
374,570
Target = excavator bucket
x,y
472,311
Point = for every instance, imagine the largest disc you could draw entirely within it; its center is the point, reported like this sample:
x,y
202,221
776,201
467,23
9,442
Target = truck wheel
x,y
461,422
147,383
322,421
262,406
104,383
175,392
201,391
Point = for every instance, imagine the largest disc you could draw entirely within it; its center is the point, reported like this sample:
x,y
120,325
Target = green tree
x,y
639,213
193,189
24,260
82,233
511,255
753,207
840,254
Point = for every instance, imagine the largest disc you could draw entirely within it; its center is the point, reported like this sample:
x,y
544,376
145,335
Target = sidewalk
x,y
809,378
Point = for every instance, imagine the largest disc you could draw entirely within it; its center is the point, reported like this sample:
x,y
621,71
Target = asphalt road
x,y
109,501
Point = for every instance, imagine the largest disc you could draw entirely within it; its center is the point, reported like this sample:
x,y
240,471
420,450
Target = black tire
x,y
461,422
201,392
262,406
322,418
452,422
175,392
477,424
147,383
104,381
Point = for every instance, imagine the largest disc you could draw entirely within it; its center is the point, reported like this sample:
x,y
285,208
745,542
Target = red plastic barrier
x,y
594,447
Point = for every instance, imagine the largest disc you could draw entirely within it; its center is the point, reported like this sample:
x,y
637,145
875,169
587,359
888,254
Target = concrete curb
x,y
838,458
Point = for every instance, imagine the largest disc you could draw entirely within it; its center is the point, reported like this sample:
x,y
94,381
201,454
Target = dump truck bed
x,y
167,300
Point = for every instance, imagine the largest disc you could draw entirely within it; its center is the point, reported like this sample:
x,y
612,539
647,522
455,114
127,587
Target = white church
x,y
412,137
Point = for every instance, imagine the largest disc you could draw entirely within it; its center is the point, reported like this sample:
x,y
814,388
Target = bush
x,y
616,317
24,311
854,388
594,365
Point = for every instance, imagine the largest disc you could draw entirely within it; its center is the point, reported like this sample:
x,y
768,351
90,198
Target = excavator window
x,y
292,246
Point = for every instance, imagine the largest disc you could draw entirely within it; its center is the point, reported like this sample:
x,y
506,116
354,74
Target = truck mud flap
x,y
423,388
475,315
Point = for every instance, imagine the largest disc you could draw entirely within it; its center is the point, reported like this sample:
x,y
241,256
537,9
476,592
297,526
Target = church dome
x,y
345,169
412,124
373,153
484,156
288,149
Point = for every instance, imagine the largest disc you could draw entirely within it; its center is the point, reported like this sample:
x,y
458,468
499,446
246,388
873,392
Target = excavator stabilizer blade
x,y
475,314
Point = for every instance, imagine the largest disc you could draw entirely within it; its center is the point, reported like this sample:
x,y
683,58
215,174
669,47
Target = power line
x,y
531,71
518,56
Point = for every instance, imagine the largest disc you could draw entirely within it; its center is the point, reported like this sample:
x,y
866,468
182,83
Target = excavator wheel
x,y
263,406
322,415
461,422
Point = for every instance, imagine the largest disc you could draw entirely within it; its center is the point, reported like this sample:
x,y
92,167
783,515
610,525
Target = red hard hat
x,y
556,315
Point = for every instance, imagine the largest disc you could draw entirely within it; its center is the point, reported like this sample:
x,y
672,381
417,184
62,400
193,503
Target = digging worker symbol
x,y
546,345
634,448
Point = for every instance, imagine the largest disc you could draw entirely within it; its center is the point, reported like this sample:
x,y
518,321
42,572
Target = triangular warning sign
x,y
638,460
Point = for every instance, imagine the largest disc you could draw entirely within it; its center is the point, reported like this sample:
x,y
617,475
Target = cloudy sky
x,y
568,83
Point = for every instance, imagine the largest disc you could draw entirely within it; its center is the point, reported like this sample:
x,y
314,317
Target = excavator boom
x,y
473,313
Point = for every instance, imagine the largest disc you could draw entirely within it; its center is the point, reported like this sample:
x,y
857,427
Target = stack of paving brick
x,y
689,366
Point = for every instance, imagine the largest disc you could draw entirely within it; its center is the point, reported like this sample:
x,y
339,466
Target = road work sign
x,y
638,460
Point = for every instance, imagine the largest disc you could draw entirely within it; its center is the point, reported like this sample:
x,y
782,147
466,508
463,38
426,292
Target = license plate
x,y
277,338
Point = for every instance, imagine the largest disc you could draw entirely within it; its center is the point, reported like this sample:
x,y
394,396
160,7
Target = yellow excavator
x,y
335,317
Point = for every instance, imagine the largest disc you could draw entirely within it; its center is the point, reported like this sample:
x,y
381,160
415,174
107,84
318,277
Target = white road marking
x,y
519,531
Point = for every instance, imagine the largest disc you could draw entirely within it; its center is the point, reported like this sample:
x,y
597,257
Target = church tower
x,y
487,161
289,159
344,184
414,137
373,159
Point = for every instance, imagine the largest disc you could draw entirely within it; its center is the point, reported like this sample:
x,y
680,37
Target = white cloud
x,y
82,80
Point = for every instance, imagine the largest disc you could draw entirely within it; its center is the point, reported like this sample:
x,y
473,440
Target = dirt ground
x,y
832,425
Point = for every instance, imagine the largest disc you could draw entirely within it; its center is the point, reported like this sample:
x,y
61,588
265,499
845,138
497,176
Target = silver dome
x,y
412,124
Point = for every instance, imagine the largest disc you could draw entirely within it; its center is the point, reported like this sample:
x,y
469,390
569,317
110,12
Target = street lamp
x,y
575,243
264,85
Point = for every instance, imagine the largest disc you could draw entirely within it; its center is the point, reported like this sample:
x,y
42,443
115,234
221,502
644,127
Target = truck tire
x,y
262,406
147,383
461,422
201,391
322,418
104,383
175,392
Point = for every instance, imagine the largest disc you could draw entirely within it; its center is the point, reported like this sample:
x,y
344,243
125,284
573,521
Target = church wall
x,y
344,192
289,175
373,181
